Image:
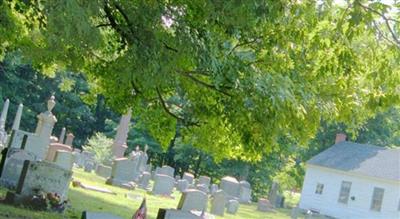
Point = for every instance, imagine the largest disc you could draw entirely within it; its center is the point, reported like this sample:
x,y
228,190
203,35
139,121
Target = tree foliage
x,y
100,146
249,72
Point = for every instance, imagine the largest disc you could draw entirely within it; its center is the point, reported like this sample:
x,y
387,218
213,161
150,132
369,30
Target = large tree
x,y
250,72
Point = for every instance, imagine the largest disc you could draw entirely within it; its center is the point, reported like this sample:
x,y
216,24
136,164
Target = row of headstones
x,y
196,191
31,163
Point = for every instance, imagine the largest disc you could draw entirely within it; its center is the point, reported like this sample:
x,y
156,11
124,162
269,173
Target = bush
x,y
100,146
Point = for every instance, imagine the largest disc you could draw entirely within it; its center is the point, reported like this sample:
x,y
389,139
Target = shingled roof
x,y
362,159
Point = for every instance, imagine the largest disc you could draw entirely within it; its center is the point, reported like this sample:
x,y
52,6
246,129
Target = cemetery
x,y
199,109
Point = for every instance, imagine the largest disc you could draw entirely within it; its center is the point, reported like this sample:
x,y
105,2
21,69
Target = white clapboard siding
x,y
362,189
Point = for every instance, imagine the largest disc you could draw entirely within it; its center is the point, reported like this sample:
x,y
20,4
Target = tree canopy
x,y
246,73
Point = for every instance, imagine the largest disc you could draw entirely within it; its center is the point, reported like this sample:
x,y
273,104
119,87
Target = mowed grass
x,y
120,204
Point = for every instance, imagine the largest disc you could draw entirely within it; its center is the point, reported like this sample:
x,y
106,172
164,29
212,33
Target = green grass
x,y
119,204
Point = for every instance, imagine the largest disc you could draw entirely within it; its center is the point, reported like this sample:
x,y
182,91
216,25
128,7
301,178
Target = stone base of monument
x,y
122,184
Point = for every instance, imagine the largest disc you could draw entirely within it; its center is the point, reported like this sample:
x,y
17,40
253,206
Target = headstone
x,y
163,185
245,192
203,188
122,171
64,159
103,171
279,201
176,214
230,186
89,167
62,136
54,147
69,140
189,177
264,205
98,215
119,144
78,158
3,117
45,177
273,193
213,188
145,180
17,118
193,199
233,206
13,166
182,185
218,203
205,180
166,170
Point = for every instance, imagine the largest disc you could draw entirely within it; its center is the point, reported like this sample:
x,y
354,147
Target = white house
x,y
350,180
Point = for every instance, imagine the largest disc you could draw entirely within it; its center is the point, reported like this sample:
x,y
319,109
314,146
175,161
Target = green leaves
x,y
249,72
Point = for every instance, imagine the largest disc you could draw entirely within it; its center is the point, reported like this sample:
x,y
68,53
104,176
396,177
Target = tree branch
x,y
386,19
165,107
243,44
198,81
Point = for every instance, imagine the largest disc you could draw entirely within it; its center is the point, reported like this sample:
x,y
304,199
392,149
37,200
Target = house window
x,y
319,189
344,192
377,198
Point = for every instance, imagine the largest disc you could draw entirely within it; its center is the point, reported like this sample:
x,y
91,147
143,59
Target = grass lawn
x,y
120,204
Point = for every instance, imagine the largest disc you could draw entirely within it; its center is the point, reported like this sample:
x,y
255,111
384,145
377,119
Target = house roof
x,y
362,159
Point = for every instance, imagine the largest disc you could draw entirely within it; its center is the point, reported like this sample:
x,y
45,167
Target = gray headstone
x,y
103,171
273,193
230,186
233,206
189,177
13,166
182,185
205,180
176,214
122,171
214,188
245,192
43,176
193,199
203,188
166,170
144,180
218,203
64,159
163,185
98,215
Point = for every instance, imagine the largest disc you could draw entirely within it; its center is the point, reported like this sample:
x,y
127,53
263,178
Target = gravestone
x,y
245,192
213,189
103,171
193,199
42,176
279,201
205,180
98,215
69,140
14,163
176,214
54,147
62,136
189,177
264,205
233,206
78,158
3,118
163,185
230,186
218,203
144,180
119,145
17,118
64,159
166,170
203,188
182,185
273,193
89,167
